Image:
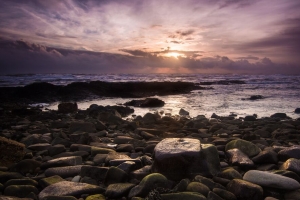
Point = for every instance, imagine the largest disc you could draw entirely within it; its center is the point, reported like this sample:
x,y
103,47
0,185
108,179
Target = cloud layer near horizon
x,y
132,36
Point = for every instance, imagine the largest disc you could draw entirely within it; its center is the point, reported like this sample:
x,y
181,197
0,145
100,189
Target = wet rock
x,y
39,146
182,185
213,196
67,188
279,115
82,127
148,102
290,152
292,195
64,161
288,174
64,172
26,166
183,195
230,174
238,158
115,175
266,157
97,173
139,174
198,187
62,141
20,190
249,118
96,197
148,183
245,190
246,147
56,149
224,194
118,190
266,179
5,176
10,151
291,164
297,110
21,182
44,182
178,158
67,107
183,112
256,97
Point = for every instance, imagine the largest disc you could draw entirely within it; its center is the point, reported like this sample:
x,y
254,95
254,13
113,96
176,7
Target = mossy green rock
x,y
183,196
118,190
20,190
50,180
198,187
246,147
96,197
147,184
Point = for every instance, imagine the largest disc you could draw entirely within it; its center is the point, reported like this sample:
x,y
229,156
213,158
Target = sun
x,y
173,54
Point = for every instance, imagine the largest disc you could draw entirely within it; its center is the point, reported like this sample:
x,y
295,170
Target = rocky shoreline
x,y
42,92
97,154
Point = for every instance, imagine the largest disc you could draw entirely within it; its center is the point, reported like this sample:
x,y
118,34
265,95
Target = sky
x,y
150,36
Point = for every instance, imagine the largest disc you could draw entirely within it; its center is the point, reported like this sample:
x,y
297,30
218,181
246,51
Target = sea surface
x,y
281,93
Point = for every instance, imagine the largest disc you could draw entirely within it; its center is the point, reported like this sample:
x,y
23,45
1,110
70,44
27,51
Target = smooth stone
x,y
183,195
224,194
59,198
115,175
266,179
206,181
245,190
147,184
67,188
230,174
61,162
139,174
118,190
246,147
198,187
128,166
44,182
268,156
182,185
290,152
26,166
13,198
99,150
292,195
20,190
291,164
10,151
82,154
178,158
238,158
288,174
82,127
39,146
97,173
99,159
213,196
64,172
62,141
67,107
5,176
56,149
26,181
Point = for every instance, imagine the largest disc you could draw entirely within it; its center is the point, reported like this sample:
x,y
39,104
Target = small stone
x,y
118,190
10,151
147,184
26,166
290,152
97,173
266,179
115,175
21,182
224,194
198,187
213,196
292,164
245,190
67,188
67,107
268,156
183,196
183,112
82,127
246,147
64,172
96,197
230,174
292,195
238,158
20,190
60,162
5,176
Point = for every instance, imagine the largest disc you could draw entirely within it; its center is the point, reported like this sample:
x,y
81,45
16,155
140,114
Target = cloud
x,y
25,57
248,58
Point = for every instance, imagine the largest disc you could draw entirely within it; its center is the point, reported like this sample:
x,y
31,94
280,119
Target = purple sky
x,y
150,36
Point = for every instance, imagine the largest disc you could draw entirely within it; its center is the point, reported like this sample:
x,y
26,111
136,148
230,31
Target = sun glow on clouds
x,y
174,55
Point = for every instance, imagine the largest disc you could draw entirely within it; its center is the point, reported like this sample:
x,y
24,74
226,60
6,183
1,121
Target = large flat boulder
x,y
177,158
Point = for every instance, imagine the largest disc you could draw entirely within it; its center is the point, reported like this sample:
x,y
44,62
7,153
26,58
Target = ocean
x,y
224,94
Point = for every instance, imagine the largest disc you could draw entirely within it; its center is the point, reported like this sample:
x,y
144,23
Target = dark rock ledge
x,y
46,92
